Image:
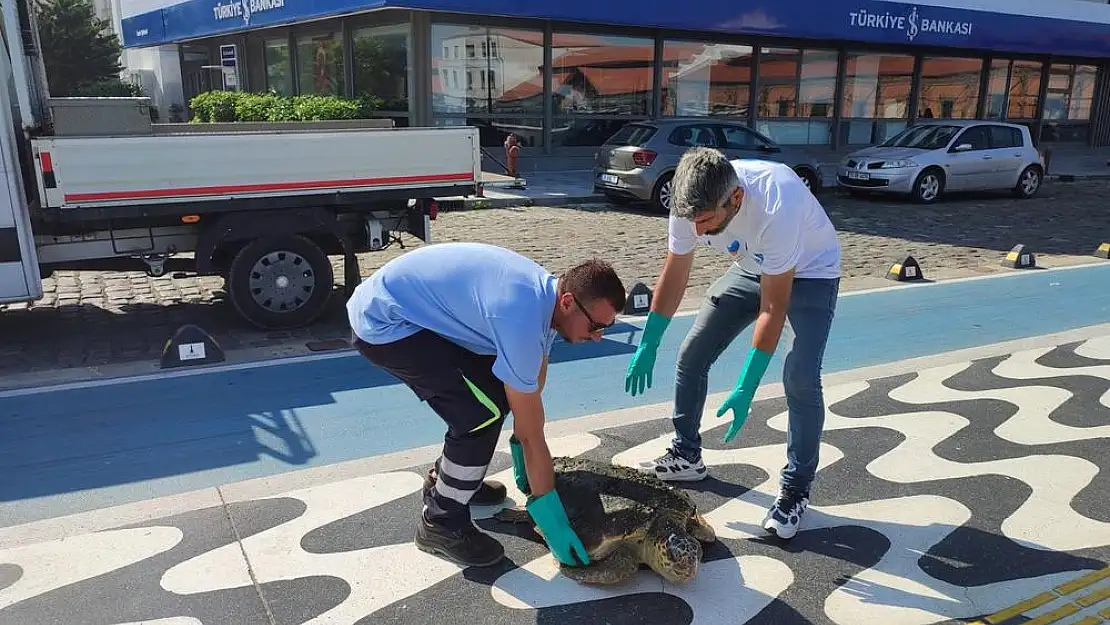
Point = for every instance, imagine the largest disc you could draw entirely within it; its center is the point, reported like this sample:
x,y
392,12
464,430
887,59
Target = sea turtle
x,y
625,518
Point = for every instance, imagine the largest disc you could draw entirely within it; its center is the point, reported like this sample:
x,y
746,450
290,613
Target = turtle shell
x,y
608,504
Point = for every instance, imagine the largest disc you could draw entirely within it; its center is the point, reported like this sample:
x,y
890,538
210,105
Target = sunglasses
x,y
595,327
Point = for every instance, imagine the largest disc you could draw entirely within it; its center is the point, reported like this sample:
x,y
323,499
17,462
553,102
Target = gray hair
x,y
703,179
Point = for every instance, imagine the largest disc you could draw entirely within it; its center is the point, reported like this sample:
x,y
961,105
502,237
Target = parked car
x,y
931,158
638,161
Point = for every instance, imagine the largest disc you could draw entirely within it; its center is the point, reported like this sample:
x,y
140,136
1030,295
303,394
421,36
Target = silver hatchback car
x,y
930,158
638,161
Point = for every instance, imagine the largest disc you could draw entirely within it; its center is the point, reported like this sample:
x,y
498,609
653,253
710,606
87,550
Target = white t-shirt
x,y
780,225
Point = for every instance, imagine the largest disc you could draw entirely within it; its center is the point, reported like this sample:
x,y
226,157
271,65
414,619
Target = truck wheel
x,y
281,282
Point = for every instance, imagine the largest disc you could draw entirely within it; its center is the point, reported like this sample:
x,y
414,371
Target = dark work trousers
x,y
459,385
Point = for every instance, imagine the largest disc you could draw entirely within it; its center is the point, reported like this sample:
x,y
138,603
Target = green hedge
x,y
235,106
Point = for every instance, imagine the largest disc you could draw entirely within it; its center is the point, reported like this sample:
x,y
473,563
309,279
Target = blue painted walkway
x,y
74,450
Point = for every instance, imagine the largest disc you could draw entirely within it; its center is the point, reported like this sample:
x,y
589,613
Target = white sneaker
x,y
785,516
672,467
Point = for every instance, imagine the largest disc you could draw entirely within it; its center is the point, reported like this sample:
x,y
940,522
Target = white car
x,y
929,158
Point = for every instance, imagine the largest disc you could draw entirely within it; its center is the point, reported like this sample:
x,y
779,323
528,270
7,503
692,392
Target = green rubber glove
x,y
740,400
551,518
519,472
643,361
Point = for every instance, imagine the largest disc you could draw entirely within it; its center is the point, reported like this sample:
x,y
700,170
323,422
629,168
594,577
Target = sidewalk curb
x,y
1078,177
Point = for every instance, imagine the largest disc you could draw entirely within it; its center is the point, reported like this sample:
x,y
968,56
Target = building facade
x,y
563,76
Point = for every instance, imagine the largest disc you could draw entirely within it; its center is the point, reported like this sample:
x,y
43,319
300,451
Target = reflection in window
x,y
949,88
513,83
706,79
492,132
796,84
1025,87
601,75
876,87
580,131
279,68
1070,91
381,64
996,88
320,64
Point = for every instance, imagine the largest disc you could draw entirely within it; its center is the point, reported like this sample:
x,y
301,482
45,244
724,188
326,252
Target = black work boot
x,y
490,493
466,546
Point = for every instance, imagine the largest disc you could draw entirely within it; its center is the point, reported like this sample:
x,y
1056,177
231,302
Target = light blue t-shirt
x,y
484,298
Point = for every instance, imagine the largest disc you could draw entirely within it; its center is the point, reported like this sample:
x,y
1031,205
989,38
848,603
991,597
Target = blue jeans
x,y
731,304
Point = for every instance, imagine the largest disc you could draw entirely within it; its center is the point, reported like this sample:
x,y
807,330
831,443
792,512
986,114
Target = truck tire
x,y
280,282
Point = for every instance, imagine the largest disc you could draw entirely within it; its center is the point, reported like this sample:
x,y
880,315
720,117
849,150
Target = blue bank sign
x,y
242,10
911,24
865,21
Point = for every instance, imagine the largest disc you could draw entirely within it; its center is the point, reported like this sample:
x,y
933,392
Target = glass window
x,y
923,136
279,68
320,64
1004,137
381,64
978,137
949,88
875,104
796,83
706,79
741,138
601,75
877,86
507,81
581,131
1082,92
632,134
694,135
1025,88
493,131
996,88
1070,91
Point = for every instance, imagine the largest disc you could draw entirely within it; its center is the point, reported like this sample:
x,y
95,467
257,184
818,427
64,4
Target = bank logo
x,y
911,24
244,9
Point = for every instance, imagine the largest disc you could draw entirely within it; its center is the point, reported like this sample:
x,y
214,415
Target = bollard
x,y
191,346
906,271
1018,258
639,300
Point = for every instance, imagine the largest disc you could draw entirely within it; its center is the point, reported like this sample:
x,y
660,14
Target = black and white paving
x,y
944,494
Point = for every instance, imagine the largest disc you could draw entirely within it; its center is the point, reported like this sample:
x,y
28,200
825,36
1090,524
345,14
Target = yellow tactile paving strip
x,y
1063,591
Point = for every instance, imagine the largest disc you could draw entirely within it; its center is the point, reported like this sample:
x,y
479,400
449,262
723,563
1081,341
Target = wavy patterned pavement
x,y
943,494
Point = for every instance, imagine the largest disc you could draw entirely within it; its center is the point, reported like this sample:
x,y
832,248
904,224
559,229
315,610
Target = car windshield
x,y
925,137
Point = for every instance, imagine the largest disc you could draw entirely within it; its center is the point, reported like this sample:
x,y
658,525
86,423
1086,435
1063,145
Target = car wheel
x,y
1029,182
661,197
928,186
809,177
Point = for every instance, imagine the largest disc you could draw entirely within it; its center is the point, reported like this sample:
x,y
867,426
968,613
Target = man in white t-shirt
x,y
787,267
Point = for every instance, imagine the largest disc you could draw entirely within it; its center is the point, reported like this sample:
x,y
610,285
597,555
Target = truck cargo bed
x,y
97,172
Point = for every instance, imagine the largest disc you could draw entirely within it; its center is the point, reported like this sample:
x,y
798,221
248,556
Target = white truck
x,y
262,205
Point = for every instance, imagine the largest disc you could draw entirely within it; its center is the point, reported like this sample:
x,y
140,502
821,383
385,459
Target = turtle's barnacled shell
x,y
608,503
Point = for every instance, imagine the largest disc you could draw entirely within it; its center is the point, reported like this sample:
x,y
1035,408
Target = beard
x,y
724,224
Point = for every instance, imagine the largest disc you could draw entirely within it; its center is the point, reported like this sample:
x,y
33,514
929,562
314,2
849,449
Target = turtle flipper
x,y
514,515
619,566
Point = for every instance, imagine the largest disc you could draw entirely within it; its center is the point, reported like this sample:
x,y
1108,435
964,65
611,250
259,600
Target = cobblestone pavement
x,y
95,318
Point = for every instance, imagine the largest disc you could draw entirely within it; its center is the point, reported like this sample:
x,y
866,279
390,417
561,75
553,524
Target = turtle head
x,y
675,555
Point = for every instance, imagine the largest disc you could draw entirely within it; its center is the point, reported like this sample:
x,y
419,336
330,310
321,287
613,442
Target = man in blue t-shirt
x,y
469,327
